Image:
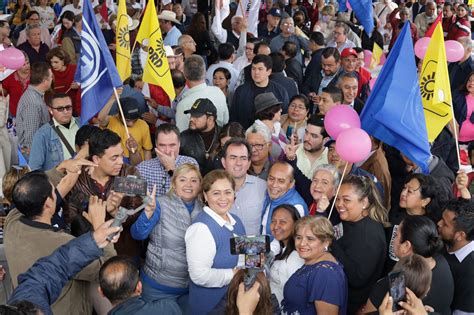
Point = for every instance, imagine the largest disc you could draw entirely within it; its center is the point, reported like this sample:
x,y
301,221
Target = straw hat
x,y
168,16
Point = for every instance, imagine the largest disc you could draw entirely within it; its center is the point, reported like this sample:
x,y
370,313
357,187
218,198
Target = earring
x,y
326,248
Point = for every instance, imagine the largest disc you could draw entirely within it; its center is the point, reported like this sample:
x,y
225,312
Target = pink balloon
x,y
454,50
353,145
421,46
12,58
340,118
367,58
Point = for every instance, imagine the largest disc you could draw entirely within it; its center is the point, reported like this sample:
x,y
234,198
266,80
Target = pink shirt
x,y
466,132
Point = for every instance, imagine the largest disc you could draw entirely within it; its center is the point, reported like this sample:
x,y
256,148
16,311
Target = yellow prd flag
x,y
157,69
376,54
124,66
435,87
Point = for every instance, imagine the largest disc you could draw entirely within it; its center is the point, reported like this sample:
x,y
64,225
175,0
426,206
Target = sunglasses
x,y
62,108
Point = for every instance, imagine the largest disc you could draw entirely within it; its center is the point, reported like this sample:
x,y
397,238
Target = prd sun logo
x,y
124,37
427,86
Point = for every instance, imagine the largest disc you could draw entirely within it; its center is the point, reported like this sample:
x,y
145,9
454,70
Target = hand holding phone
x,y
397,289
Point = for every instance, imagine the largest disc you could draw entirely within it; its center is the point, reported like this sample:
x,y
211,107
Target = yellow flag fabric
x,y
123,61
376,55
157,69
435,87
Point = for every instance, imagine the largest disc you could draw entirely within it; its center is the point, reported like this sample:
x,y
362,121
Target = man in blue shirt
x,y
170,32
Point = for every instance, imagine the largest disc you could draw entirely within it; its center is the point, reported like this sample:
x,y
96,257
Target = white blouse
x,y
281,271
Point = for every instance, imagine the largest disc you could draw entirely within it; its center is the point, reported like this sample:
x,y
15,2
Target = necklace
x,y
212,143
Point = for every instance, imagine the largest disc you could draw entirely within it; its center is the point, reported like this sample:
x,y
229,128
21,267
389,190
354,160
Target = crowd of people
x,y
241,150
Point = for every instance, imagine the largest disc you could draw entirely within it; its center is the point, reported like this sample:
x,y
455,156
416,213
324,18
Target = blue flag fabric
x,y
98,74
394,111
364,14
342,5
21,159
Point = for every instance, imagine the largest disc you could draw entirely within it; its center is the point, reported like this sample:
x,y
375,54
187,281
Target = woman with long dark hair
x,y
362,247
419,235
287,260
420,196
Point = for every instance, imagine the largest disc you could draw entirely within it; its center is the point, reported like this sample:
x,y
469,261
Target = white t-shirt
x,y
281,271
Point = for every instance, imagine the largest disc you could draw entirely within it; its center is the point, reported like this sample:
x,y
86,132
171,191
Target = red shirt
x,y
15,88
62,84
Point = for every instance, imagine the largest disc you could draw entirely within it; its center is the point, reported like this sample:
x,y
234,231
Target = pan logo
x,y
90,59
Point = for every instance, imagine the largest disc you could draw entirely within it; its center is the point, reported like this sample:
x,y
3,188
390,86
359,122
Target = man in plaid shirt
x,y
160,169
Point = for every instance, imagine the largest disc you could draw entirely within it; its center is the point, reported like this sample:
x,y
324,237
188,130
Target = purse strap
x,y
63,139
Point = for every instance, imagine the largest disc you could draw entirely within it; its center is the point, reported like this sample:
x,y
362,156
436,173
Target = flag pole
x,y
456,142
119,105
337,191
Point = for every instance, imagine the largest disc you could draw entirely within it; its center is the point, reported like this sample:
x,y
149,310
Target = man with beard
x,y
457,230
305,157
201,138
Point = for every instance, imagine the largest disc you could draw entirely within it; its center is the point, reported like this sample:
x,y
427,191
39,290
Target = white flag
x,y
250,12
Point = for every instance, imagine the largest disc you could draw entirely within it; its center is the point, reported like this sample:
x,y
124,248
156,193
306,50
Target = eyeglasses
x,y
62,108
338,33
257,146
294,106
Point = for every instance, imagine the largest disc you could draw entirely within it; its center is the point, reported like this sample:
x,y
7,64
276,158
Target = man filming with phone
x,y
105,150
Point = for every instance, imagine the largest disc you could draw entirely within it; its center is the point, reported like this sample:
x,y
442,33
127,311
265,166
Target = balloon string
x,y
337,191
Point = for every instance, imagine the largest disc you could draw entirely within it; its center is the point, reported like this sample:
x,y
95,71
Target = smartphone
x,y
250,245
253,261
397,287
130,185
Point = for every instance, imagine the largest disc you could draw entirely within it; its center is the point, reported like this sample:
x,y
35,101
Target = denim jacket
x,y
46,149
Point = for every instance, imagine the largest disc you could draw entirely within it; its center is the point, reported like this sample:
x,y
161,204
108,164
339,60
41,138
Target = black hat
x,y
130,108
328,143
264,101
202,106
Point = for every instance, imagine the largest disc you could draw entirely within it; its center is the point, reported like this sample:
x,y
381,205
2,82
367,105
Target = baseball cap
x,y
202,106
348,52
130,108
275,12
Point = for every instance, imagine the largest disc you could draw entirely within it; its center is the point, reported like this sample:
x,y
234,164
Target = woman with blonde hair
x,y
320,286
326,24
165,272
362,247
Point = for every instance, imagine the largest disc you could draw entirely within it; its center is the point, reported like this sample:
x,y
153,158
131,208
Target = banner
x,y
156,70
435,87
96,71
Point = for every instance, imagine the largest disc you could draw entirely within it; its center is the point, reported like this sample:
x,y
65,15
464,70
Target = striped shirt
x,y
31,115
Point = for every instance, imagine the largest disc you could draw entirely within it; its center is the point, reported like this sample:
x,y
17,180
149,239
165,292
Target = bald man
x,y
281,190
187,44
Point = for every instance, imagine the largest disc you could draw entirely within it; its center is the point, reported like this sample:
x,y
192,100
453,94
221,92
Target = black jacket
x,y
243,108
192,145
288,83
294,70
314,78
314,64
